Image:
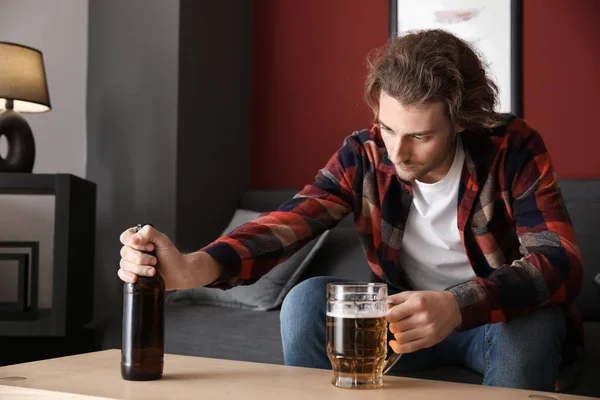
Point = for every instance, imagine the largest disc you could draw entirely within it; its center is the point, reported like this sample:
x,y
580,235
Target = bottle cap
x,y
140,226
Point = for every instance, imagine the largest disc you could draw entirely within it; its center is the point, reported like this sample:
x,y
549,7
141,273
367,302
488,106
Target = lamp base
x,y
21,146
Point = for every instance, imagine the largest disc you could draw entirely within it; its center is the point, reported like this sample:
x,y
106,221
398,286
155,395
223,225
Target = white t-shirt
x,y
432,253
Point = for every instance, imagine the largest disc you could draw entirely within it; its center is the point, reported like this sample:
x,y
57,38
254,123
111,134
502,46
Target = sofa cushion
x,y
341,256
582,199
587,382
267,292
221,332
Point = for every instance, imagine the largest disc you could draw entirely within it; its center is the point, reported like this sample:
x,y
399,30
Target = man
x,y
458,209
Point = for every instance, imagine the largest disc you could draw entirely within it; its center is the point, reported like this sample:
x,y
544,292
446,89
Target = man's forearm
x,y
201,269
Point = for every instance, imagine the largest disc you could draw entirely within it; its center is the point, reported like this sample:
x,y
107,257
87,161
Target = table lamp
x,y
23,89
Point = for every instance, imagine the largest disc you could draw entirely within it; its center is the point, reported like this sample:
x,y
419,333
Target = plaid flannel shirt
x,y
512,221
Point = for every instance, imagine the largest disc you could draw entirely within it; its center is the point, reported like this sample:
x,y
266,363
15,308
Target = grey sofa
x,y
233,333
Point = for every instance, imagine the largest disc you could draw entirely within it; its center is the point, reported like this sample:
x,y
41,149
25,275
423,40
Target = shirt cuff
x,y
473,302
230,261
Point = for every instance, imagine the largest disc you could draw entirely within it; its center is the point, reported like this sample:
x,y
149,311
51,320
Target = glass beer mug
x,y
357,334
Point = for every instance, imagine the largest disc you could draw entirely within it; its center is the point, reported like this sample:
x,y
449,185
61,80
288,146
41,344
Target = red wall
x,y
561,81
309,68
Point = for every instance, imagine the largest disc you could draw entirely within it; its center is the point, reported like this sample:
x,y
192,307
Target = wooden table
x,y
97,376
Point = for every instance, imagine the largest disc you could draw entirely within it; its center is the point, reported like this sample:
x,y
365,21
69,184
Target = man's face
x,y
420,140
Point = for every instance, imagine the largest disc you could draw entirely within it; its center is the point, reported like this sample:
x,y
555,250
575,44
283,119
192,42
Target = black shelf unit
x,y
73,254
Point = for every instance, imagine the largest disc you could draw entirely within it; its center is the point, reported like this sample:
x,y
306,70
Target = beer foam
x,y
356,314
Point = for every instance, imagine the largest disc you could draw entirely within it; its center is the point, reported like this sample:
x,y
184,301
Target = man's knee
x,y
303,324
305,300
538,332
526,351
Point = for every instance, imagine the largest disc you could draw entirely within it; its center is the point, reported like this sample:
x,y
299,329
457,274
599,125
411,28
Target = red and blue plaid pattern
x,y
512,220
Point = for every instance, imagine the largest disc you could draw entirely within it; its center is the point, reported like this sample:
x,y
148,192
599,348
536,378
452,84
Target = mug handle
x,y
391,361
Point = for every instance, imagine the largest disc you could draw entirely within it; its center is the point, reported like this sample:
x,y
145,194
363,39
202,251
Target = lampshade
x,y
23,79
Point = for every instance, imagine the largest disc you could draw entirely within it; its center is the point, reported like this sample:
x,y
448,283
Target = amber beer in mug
x,y
357,334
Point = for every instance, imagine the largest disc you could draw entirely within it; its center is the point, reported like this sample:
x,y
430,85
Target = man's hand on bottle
x,y
177,270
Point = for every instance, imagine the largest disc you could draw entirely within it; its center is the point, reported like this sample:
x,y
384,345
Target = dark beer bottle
x,y
142,346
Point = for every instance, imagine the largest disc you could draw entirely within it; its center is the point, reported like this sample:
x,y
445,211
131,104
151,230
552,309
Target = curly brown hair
x,y
434,65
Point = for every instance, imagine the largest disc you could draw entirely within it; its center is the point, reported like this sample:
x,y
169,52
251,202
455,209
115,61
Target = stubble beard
x,y
414,173
417,171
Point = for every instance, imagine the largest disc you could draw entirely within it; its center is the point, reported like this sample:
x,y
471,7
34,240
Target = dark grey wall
x,y
131,126
215,85
168,122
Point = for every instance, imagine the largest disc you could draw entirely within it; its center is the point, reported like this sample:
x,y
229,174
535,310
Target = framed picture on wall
x,y
13,297
18,279
493,27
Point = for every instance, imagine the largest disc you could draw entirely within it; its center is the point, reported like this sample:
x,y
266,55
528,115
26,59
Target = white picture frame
x,y
494,27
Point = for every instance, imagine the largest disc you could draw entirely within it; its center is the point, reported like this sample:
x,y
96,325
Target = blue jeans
x,y
524,353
